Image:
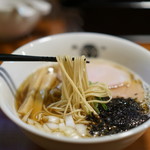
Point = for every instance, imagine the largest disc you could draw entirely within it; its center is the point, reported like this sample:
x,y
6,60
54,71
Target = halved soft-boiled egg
x,y
120,81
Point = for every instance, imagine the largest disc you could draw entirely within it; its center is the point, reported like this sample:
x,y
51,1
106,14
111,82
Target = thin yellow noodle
x,y
99,101
77,95
76,89
68,104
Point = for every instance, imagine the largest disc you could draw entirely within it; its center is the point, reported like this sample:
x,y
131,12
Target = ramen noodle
x,y
80,100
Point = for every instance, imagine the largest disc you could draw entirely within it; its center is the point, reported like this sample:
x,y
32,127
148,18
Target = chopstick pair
x,y
14,57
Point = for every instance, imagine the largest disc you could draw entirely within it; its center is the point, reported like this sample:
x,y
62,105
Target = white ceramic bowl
x,y
109,47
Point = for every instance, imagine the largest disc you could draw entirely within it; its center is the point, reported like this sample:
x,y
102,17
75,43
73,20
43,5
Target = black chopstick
x,y
14,57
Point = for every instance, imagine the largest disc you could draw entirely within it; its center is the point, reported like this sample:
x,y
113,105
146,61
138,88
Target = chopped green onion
x,y
90,82
96,107
104,106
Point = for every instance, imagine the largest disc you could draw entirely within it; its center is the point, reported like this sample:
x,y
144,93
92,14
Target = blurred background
x,y
22,21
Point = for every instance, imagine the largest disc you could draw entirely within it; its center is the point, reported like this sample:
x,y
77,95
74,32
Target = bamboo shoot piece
x,y
28,103
47,83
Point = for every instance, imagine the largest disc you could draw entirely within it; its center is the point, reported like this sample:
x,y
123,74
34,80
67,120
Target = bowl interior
x,y
107,47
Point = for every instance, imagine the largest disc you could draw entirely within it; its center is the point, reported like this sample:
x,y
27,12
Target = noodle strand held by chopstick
x,y
76,91
77,95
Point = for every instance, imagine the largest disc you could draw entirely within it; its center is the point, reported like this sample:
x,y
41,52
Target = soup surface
x,y
39,102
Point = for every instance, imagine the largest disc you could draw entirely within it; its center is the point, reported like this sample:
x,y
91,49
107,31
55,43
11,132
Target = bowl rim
x,y
59,35
141,128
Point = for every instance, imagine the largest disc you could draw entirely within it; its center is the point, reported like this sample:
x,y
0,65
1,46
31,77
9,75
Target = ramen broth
x,y
129,94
